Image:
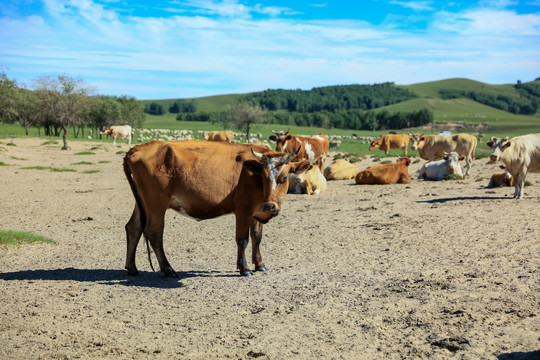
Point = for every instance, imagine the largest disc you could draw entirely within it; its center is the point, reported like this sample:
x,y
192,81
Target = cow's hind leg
x,y
133,232
256,237
154,232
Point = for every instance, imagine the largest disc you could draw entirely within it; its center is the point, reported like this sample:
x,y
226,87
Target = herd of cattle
x,y
206,179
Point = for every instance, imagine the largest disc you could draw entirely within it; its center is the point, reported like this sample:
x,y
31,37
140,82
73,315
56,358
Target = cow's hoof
x,y
132,272
246,273
260,268
169,272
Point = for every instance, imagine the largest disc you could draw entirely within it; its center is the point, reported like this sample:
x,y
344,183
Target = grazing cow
x,y
520,155
310,182
501,178
386,173
391,141
432,147
340,169
123,131
313,148
438,170
204,180
225,135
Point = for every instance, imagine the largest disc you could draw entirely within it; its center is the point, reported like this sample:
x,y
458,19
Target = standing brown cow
x,y
391,141
204,180
314,148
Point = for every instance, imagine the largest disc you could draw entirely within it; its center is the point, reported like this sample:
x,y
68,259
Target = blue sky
x,y
190,48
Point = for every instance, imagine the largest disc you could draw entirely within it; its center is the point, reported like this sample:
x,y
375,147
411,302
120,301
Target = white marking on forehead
x,y
274,172
309,152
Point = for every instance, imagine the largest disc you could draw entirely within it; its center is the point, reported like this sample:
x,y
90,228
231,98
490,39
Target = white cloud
x,y
415,5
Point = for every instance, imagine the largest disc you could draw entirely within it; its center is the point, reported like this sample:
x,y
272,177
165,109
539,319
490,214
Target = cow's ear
x,y
490,143
422,138
253,166
288,137
407,161
461,158
505,144
272,138
502,166
300,167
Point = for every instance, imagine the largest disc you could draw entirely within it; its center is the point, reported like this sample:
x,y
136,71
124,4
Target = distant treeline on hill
x,y
526,103
355,119
331,98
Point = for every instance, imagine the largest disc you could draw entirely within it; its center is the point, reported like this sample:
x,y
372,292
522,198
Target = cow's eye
x,y
284,180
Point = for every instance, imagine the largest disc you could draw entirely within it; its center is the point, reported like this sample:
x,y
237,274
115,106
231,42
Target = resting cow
x,y
438,170
311,182
120,131
432,147
340,169
391,141
386,173
314,148
501,178
204,180
520,155
225,135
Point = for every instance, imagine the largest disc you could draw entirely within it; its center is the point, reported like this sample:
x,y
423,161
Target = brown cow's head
x,y
375,144
274,168
498,146
404,160
106,130
280,138
416,139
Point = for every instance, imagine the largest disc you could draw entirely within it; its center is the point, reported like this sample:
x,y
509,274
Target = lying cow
x,y
204,180
225,135
340,169
311,182
122,132
432,147
391,141
520,155
501,178
386,173
314,148
438,170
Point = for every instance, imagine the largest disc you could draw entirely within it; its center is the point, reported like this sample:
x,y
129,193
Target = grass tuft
x,y
9,237
83,163
85,153
91,171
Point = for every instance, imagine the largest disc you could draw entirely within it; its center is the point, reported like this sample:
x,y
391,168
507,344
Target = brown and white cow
x,y
118,131
341,169
204,180
391,141
386,173
314,148
432,147
440,169
520,155
310,182
225,135
501,178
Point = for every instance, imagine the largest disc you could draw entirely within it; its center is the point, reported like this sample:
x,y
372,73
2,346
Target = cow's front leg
x,y
242,239
256,237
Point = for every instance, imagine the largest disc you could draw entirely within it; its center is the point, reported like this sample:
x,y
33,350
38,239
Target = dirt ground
x,y
429,270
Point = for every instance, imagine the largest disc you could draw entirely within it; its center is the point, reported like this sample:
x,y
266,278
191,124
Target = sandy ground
x,y
429,270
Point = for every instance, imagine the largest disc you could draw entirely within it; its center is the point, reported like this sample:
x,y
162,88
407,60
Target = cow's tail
x,y
138,200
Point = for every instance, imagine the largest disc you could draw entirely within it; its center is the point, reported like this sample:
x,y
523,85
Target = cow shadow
x,y
462,198
532,355
112,277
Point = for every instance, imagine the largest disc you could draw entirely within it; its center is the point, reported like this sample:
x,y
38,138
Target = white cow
x,y
520,155
121,131
310,182
438,170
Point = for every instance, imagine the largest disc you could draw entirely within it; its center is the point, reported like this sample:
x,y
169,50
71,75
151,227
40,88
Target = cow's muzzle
x,y
493,158
271,208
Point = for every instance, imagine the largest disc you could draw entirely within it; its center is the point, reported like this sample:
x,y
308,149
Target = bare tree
x,y
64,99
243,116
131,111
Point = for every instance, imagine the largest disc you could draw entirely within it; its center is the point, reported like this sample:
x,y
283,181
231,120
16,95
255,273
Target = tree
x,y
242,116
64,99
8,88
104,111
26,108
131,111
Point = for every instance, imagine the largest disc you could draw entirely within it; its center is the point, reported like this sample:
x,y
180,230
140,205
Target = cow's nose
x,y
451,169
270,208
493,158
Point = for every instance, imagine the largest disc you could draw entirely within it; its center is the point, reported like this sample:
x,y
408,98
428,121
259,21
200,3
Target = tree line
x,y
355,119
331,98
527,103
179,106
57,103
